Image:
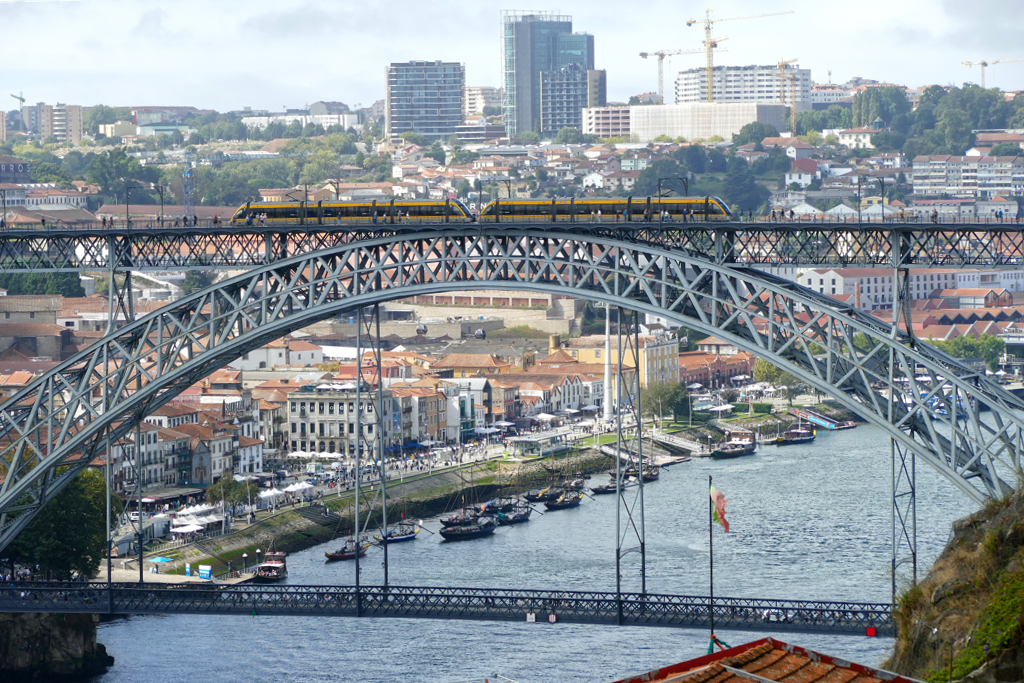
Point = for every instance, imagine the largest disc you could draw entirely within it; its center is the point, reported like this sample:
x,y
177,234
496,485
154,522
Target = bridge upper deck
x,y
138,248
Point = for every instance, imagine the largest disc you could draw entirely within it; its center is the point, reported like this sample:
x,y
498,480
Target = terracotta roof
x,y
768,659
470,360
559,356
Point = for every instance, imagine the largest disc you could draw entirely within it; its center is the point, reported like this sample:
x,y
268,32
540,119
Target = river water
x,y
807,522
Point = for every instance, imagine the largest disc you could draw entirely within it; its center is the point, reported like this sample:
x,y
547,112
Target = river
x,y
807,522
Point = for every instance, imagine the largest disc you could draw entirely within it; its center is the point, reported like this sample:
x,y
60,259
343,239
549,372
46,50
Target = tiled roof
x,y
469,360
771,660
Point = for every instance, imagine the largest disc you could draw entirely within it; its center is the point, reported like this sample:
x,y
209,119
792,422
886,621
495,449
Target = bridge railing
x,y
595,607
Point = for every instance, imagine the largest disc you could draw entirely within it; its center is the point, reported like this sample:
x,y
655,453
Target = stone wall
x,y
50,647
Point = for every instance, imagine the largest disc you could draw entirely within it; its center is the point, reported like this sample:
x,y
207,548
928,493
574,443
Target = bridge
x,y
699,274
578,607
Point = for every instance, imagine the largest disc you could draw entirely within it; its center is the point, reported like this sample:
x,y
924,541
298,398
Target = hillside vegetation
x,y
965,620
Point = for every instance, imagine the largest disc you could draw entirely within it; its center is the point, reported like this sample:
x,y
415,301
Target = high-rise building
x,y
565,93
3,126
424,97
480,96
61,121
534,43
743,84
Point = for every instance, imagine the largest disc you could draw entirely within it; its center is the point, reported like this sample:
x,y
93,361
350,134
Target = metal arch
x,y
55,426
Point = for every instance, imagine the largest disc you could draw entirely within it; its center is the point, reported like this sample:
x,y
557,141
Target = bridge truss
x,y
580,607
55,427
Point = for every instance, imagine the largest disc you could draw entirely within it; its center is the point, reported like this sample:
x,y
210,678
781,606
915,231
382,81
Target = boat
x,y
651,473
273,568
603,489
500,504
568,499
574,484
519,514
460,518
401,532
794,436
349,551
483,526
736,446
537,495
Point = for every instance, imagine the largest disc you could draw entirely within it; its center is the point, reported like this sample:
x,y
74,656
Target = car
x,y
133,515
311,481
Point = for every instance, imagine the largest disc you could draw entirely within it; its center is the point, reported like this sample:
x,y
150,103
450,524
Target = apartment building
x,y
62,121
968,176
606,122
424,97
322,417
744,84
479,96
658,356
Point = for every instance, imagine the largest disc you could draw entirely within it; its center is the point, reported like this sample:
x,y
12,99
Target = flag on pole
x,y
718,501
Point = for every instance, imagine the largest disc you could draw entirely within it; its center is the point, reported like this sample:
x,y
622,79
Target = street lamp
x,y
258,554
160,189
245,556
127,194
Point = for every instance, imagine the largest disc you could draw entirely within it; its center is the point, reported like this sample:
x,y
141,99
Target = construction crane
x,y
709,41
661,54
21,100
991,62
783,75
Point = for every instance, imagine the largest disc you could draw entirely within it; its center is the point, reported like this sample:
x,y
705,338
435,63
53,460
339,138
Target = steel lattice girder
x,y
242,247
496,604
57,425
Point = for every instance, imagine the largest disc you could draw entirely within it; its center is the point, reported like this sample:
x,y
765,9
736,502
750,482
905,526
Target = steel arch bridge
x,y
56,426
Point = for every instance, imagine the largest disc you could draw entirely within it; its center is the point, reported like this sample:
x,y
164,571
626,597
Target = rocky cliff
x,y
965,620
50,647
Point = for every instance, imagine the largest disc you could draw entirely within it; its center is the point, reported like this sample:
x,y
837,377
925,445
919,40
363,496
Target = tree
x,y
755,131
414,138
528,137
108,170
1003,149
987,347
661,399
885,141
101,113
647,182
741,188
64,284
955,127
764,371
196,280
67,537
490,110
568,136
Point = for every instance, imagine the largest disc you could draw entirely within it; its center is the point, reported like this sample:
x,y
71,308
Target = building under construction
x,y
745,84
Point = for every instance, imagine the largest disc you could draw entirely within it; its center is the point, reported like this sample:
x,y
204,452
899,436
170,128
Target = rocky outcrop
x,y
50,648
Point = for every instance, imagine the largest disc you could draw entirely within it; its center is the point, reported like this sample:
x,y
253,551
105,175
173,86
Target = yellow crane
x,y
709,41
991,62
661,54
783,75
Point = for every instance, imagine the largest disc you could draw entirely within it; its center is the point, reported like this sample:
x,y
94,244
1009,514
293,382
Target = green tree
x,y
954,126
741,188
528,137
987,347
754,131
196,280
46,172
65,284
647,182
568,136
1006,149
109,170
663,399
765,371
490,110
67,537
414,138
101,113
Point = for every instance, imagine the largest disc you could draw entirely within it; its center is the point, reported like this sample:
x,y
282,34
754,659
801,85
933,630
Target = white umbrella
x,y
999,373
186,529
694,386
989,372
545,416
503,423
722,408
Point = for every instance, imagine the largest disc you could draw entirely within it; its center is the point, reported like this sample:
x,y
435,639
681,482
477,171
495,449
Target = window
x,y
293,406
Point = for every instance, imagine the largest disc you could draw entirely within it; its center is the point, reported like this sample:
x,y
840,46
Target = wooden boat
x,y
349,551
795,436
603,489
401,532
568,499
536,495
461,518
735,446
574,484
483,526
651,473
273,568
500,504
518,515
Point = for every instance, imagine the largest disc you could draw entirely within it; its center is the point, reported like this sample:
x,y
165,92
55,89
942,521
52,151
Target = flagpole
x,y
711,554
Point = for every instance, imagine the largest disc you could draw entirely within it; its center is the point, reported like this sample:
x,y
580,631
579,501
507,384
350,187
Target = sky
x,y
272,54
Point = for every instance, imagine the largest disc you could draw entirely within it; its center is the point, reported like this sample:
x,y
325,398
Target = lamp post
x,y
860,200
160,189
257,557
127,194
245,556
686,192
881,193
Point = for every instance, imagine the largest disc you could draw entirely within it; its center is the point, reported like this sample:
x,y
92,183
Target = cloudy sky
x,y
227,54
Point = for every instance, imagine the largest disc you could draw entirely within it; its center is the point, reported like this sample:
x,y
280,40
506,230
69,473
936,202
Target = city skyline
x,y
266,56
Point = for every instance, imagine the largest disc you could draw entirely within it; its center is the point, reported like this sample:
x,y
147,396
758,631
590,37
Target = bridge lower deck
x,y
581,607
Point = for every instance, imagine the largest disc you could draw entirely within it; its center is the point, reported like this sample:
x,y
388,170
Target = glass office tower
x,y
424,97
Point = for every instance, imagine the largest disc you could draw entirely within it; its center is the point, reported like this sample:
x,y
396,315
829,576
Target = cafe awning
x,y
189,529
